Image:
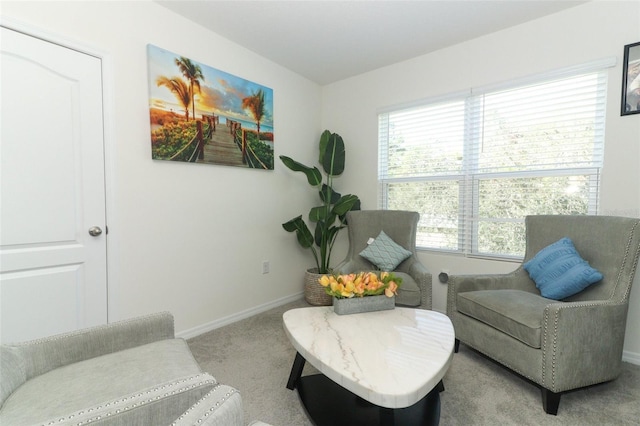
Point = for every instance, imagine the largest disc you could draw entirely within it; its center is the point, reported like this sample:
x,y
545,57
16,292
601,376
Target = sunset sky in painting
x,y
221,93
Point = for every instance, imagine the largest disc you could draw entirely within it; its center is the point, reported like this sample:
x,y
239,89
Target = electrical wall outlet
x,y
265,267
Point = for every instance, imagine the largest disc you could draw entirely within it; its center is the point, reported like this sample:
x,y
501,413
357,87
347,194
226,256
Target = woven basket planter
x,y
314,293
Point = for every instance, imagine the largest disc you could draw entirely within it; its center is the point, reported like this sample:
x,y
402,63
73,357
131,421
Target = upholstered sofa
x,y
560,345
132,372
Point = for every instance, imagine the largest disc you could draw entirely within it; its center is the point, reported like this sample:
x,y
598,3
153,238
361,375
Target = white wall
x,y
191,238
188,238
579,35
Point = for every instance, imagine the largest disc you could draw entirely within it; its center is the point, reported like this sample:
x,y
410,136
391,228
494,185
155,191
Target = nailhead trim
x,y
134,401
635,260
211,409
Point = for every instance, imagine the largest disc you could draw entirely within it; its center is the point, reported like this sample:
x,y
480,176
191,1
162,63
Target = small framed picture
x,y
631,80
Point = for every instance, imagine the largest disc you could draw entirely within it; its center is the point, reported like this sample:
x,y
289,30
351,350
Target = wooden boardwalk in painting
x,y
221,149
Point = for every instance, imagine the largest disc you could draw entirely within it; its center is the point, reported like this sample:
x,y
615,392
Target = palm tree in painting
x,y
179,88
193,74
255,105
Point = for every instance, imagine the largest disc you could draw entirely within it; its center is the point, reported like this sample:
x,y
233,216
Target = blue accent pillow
x,y
559,271
385,253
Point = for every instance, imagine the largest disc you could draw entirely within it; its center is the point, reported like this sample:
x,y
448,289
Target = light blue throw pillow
x,y
559,271
385,253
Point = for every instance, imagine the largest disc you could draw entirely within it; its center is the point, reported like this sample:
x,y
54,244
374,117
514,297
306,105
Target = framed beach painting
x,y
631,80
199,114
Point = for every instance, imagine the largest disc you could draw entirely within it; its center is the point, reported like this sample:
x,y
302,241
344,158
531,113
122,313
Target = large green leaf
x,y
343,217
333,196
318,213
345,204
332,233
329,232
334,155
324,140
314,176
319,232
302,231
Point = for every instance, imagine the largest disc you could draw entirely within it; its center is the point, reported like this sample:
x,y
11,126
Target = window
x,y
474,165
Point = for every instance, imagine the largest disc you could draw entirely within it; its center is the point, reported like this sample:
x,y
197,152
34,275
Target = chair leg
x,y
550,401
456,346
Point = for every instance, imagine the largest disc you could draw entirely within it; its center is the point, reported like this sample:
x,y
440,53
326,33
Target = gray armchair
x,y
558,345
132,372
401,227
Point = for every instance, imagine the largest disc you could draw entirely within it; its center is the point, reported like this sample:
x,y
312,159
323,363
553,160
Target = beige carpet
x,y
254,356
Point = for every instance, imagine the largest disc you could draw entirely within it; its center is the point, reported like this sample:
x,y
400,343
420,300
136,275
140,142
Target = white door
x,y
53,273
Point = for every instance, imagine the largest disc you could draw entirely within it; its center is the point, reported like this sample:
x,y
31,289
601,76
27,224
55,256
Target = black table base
x,y
329,404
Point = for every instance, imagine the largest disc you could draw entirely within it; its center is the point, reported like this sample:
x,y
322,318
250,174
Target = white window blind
x,y
475,165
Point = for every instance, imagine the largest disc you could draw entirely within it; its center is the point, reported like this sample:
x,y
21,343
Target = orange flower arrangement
x,y
361,284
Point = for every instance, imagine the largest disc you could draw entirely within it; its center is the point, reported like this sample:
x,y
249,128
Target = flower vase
x,y
356,305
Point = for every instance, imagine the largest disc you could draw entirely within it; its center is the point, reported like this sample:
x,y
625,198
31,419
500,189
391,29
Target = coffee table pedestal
x,y
319,396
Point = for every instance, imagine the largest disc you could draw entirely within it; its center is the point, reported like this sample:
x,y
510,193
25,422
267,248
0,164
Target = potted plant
x,y
330,216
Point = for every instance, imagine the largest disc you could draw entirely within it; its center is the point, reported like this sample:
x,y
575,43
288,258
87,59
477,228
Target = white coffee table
x,y
395,360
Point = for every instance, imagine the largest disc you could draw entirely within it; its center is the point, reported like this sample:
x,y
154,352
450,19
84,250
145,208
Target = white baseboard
x,y
631,357
196,331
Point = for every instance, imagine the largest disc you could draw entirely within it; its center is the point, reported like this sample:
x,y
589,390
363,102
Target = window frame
x,y
470,177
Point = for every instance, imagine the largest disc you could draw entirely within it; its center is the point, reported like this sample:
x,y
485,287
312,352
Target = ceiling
x,y
328,41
